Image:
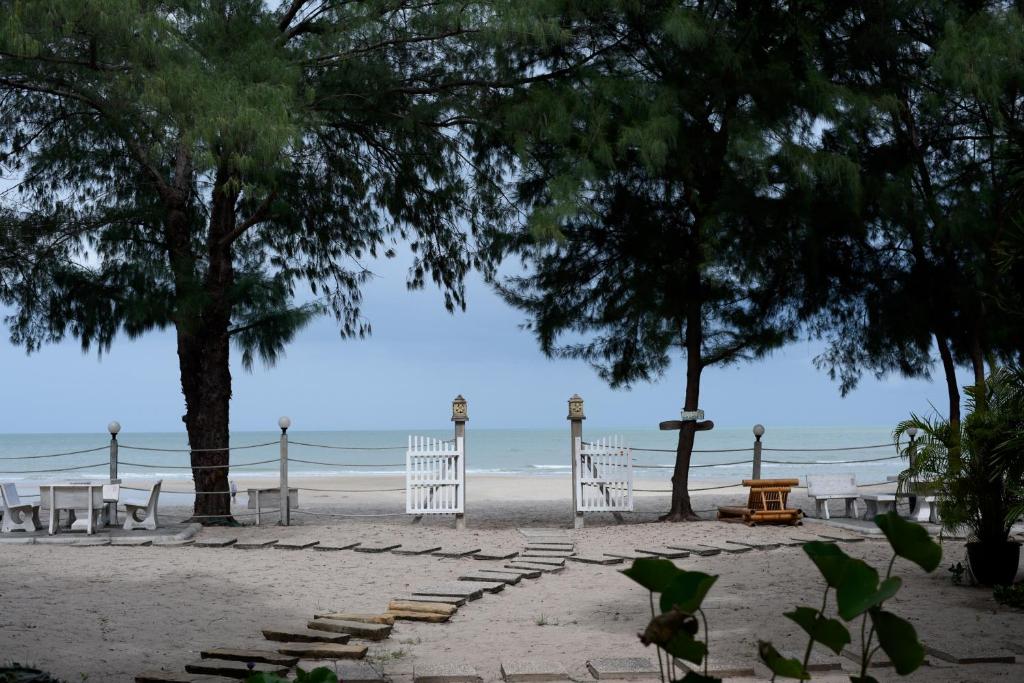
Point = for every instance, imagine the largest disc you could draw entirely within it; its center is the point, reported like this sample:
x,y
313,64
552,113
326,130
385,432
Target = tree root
x,y
680,516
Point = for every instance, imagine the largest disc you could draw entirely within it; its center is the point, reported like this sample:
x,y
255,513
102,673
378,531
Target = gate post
x,y
758,433
460,415
114,427
576,418
284,423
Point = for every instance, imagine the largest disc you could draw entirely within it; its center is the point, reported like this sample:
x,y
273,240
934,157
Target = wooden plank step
x,y
176,677
546,568
527,554
244,655
842,539
376,547
532,671
356,671
731,549
303,635
353,628
595,559
552,561
255,545
490,578
445,673
421,606
233,669
296,545
323,650
626,555
521,573
547,547
215,542
415,549
668,553
428,617
695,549
456,552
456,601
356,616
465,589
495,555
756,545
332,546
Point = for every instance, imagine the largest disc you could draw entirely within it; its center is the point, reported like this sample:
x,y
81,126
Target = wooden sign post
x,y
688,416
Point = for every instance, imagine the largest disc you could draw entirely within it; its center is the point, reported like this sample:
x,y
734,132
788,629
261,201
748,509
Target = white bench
x,y
825,487
17,516
878,504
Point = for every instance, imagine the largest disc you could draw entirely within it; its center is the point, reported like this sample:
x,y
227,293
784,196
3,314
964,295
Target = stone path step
x,y
731,549
445,673
233,669
842,539
521,573
553,561
215,542
415,615
303,635
595,559
456,552
331,546
296,545
244,655
543,547
356,629
421,606
351,671
416,549
495,555
463,589
696,549
756,545
532,671
490,578
626,555
456,601
175,677
547,553
667,553
628,668
356,616
255,545
323,650
376,547
1000,657
530,566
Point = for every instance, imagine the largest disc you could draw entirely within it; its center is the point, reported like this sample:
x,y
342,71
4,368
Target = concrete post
x,y
576,418
460,415
758,433
114,427
284,423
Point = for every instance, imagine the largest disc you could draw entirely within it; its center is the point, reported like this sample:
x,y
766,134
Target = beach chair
x,y
18,516
825,487
766,503
143,516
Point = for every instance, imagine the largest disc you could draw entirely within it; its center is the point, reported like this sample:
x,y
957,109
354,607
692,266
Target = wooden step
x,y
455,601
421,606
429,617
353,628
233,669
243,655
323,651
176,677
356,616
304,635
490,578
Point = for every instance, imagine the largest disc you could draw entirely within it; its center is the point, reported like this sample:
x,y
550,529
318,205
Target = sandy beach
x,y
107,613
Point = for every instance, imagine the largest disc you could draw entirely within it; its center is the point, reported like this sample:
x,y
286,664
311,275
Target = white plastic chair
x,y
18,516
143,516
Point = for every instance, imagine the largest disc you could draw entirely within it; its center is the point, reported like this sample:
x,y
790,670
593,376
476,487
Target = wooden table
x,y
74,497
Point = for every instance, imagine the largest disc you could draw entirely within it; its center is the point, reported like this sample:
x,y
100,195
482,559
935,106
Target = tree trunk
x,y
681,509
952,389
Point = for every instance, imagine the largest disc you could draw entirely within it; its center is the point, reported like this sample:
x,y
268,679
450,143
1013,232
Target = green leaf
x,y
687,591
863,679
829,560
694,677
654,574
910,541
829,632
859,590
899,640
779,665
664,627
685,647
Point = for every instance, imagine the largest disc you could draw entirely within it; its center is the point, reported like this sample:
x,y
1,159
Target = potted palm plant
x,y
976,472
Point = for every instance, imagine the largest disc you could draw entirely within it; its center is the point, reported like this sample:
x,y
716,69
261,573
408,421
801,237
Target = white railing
x,y
435,476
604,476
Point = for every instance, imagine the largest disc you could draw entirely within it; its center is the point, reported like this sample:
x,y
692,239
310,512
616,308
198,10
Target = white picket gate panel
x,y
435,476
604,476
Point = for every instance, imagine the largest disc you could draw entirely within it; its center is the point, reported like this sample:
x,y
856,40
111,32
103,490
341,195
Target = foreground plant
x,y
320,674
859,593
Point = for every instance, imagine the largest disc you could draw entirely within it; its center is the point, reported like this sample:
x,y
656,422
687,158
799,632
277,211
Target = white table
x,y
258,498
74,497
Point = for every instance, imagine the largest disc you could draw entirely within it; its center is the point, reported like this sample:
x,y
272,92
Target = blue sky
x,y
406,373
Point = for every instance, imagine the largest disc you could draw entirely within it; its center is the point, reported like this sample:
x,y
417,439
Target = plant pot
x,y
994,564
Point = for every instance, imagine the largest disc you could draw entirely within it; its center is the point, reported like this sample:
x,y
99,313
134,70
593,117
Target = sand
x,y
109,612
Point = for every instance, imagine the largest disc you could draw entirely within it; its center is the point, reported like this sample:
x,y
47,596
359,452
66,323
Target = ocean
x,y
534,452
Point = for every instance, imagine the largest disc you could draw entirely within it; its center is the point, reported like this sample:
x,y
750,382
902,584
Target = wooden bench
x,y
766,503
825,487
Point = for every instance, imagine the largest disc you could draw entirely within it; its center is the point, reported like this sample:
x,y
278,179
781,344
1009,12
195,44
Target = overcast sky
x,y
404,376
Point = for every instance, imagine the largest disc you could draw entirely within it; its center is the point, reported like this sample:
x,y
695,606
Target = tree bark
x,y
952,389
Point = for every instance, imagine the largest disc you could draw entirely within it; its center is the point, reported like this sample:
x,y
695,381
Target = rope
x,y
226,447
833,462
711,464
695,450
705,488
237,514
351,448
846,448
301,488
62,469
331,514
55,455
342,464
199,467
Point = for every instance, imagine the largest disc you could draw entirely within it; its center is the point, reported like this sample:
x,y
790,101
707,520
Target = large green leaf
x,y
899,640
686,591
829,560
779,665
654,574
859,589
910,541
829,632
685,647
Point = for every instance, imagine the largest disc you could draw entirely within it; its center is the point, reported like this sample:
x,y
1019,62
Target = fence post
x,y
114,427
284,423
758,433
576,418
460,415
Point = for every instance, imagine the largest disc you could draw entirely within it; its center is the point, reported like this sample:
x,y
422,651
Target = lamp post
x,y
284,423
758,433
460,415
576,418
114,427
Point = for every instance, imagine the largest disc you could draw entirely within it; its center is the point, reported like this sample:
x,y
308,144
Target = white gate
x,y
435,476
604,476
